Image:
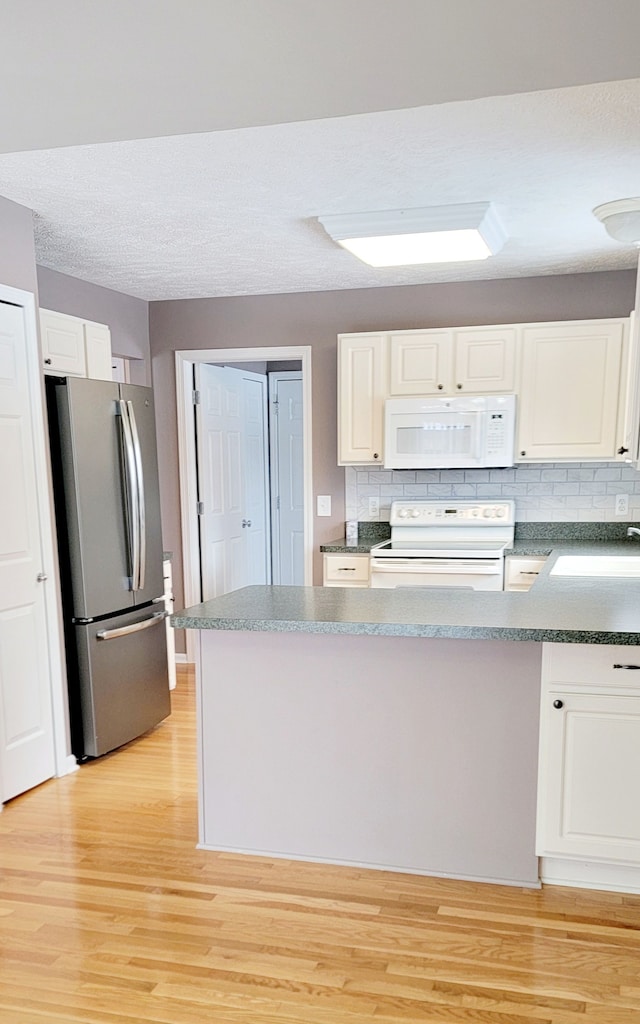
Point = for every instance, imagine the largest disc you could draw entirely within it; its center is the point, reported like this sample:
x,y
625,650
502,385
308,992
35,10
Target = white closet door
x,y
26,717
288,479
256,482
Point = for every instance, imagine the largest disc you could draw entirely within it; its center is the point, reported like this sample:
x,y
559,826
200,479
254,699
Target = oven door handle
x,y
417,565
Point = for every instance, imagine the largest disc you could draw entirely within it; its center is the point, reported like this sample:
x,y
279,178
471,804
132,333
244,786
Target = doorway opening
x,y
236,460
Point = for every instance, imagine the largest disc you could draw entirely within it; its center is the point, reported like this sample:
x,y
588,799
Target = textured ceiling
x,y
233,212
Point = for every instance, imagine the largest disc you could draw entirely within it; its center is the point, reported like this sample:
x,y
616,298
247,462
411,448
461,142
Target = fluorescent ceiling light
x,y
621,219
438,234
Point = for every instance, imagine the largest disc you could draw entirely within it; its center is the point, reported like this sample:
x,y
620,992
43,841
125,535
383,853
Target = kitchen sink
x,y
597,565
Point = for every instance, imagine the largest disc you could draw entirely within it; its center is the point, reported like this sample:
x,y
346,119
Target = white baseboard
x,y
181,659
68,765
584,874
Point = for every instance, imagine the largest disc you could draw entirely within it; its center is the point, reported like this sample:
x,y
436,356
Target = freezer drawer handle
x,y
135,627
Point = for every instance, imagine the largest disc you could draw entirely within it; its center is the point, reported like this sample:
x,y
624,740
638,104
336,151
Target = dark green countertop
x,y
559,609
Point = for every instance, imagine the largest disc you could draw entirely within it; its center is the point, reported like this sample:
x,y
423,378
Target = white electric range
x,y
444,543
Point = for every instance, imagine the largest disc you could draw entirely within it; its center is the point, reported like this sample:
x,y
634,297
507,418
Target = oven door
x,y
468,574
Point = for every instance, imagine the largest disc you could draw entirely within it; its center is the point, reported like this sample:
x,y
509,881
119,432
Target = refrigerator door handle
x,y
131,479
136,627
142,534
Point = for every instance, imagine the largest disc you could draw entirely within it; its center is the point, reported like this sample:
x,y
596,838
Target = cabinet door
x,y
485,360
421,362
62,344
361,394
589,777
569,391
98,351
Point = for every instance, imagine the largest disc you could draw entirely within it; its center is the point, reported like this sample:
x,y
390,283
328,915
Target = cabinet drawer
x,y
521,573
346,570
592,665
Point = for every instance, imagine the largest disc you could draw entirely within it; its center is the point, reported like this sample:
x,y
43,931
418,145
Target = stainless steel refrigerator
x,y
109,535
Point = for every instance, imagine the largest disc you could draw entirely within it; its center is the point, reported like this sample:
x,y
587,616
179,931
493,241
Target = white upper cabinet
x,y
362,385
75,347
63,349
97,340
485,360
570,379
570,390
421,362
465,360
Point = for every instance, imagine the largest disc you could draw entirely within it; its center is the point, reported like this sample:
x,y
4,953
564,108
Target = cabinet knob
x,y
376,455
47,362
459,387
440,387
523,453
558,704
622,450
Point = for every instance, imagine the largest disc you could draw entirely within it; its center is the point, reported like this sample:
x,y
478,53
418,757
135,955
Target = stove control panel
x,y
442,513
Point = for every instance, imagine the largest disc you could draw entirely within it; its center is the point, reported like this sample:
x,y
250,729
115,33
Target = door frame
x,y
187,471
65,762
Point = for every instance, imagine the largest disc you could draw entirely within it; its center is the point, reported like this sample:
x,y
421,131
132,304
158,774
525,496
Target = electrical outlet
x,y
374,507
622,505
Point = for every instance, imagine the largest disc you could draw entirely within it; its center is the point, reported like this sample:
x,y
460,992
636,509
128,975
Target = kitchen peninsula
x,y
394,729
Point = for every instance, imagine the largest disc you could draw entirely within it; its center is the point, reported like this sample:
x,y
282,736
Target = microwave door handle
x,y
131,489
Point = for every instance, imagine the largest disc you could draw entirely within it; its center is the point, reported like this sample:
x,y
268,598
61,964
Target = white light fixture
x,y
621,220
436,234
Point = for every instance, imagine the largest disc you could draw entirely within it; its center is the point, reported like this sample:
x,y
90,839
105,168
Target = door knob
x,y
41,577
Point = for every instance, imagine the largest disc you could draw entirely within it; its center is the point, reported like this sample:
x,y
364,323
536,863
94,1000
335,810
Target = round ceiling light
x,y
621,219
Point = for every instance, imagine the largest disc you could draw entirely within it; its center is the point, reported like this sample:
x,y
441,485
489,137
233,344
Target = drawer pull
x,y
346,568
629,667
530,572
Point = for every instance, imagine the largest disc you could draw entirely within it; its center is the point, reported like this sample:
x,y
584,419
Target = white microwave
x,y
449,433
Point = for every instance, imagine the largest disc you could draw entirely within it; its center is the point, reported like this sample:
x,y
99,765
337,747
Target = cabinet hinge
x,y
276,406
278,503
200,507
196,398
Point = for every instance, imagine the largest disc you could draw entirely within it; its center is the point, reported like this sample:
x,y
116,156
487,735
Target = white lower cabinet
x,y
589,765
345,570
521,571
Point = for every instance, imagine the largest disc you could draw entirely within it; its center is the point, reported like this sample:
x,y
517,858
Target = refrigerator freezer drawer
x,y
123,680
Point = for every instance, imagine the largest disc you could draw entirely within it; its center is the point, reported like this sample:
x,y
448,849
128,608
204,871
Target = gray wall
x,y
127,317
315,318
17,252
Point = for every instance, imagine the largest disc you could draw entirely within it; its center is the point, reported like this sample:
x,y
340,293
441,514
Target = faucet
x,y
633,531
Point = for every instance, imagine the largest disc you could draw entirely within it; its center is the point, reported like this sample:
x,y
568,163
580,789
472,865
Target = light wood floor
x,y
109,915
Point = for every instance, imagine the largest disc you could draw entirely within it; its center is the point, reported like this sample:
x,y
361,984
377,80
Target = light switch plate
x,y
323,504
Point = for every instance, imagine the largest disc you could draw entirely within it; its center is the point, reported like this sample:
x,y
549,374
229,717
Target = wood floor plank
x,y
110,915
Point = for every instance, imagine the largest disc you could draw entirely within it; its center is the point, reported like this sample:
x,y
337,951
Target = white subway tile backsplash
x,y
549,492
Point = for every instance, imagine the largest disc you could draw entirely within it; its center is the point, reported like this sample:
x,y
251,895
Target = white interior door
x,y
232,479
287,484
26,716
219,439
